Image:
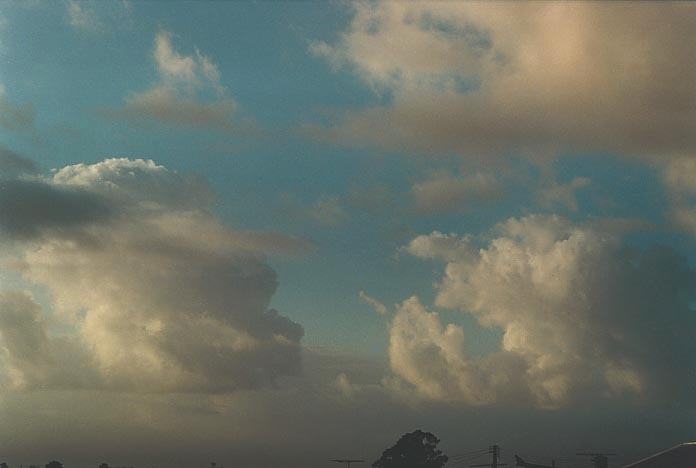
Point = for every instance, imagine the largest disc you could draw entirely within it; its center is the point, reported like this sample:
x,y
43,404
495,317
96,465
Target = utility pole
x,y
494,450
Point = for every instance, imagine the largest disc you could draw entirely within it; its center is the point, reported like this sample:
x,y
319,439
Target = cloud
x,y
374,200
13,164
445,192
486,79
167,106
30,357
189,69
166,298
189,94
24,339
81,15
685,217
583,317
377,305
13,117
445,247
326,211
679,177
93,16
559,194
30,208
432,358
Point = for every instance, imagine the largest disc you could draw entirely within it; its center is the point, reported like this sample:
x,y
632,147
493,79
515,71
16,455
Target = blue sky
x,y
344,127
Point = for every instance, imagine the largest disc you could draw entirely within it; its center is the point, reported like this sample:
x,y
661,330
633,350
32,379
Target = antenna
x,y
348,461
494,450
600,460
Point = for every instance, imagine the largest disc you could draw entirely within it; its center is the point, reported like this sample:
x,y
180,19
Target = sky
x,y
275,233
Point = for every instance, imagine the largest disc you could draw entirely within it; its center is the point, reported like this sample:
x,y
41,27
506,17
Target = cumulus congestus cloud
x,y
157,293
583,317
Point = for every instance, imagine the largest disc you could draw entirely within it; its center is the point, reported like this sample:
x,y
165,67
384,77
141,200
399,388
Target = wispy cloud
x,y
81,15
189,93
444,192
15,117
96,16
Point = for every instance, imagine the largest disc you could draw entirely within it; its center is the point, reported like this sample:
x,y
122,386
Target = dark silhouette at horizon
x,y
416,449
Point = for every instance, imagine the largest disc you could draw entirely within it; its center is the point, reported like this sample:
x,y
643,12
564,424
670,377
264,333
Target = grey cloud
x,y
30,208
189,93
562,194
169,107
326,211
13,164
679,178
14,117
445,192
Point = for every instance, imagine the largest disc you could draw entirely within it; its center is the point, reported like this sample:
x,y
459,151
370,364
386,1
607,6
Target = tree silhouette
x,y
413,450
3,465
54,464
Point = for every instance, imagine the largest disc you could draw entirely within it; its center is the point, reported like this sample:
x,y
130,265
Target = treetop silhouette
x,y
416,449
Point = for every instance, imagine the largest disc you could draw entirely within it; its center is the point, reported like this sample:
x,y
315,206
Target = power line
x,y
348,461
469,455
473,456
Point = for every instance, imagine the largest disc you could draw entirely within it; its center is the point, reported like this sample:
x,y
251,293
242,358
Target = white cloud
x,y
163,296
189,93
482,79
29,357
95,16
583,317
445,247
172,65
81,15
377,305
